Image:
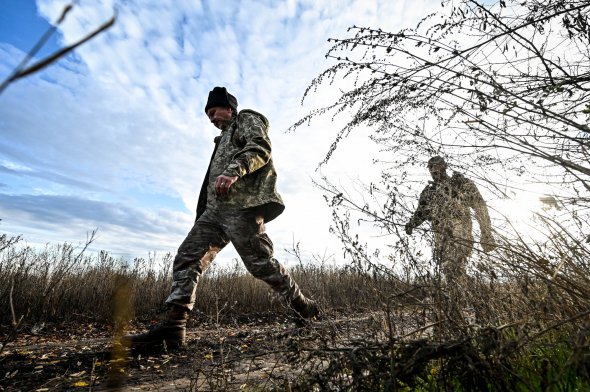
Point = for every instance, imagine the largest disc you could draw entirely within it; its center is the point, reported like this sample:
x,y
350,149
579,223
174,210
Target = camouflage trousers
x,y
452,249
211,233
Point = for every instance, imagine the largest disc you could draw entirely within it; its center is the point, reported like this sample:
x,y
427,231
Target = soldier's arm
x,y
481,215
253,133
479,206
422,211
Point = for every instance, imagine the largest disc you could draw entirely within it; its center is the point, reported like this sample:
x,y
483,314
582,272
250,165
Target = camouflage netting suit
x,y
446,204
244,150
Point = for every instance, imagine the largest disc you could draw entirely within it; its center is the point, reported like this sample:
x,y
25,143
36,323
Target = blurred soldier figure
x,y
446,203
237,198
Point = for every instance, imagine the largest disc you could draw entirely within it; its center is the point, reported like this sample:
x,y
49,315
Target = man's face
x,y
437,171
219,116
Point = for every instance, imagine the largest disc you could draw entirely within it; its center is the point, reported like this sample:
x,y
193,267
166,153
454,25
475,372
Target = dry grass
x,y
525,323
62,284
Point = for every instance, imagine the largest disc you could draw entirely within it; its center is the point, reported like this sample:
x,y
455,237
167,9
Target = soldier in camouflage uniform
x,y
446,203
237,197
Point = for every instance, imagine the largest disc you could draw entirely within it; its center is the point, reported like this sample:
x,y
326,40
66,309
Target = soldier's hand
x,y
223,183
488,243
409,229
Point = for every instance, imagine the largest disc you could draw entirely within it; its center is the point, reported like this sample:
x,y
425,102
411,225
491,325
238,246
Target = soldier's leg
x,y
454,264
440,295
454,270
447,314
194,256
247,233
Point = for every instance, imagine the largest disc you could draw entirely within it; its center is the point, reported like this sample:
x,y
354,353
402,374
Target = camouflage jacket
x,y
243,150
446,205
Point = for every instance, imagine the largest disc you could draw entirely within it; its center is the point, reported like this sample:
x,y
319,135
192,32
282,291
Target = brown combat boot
x,y
304,310
171,331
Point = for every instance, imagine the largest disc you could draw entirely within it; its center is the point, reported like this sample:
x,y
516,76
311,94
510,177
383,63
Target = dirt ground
x,y
256,353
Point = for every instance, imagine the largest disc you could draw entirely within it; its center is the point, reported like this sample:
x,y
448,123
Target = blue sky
x,y
21,26
114,136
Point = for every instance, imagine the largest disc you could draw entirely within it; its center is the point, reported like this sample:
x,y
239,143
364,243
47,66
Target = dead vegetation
x,y
526,331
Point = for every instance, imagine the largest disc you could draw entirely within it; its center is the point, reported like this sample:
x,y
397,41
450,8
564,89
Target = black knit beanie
x,y
220,97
